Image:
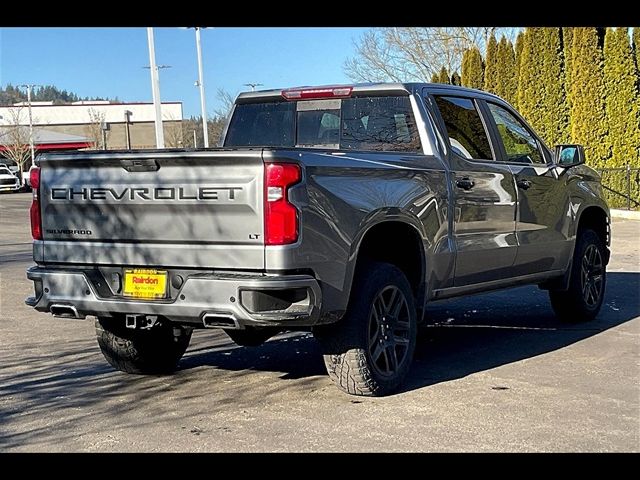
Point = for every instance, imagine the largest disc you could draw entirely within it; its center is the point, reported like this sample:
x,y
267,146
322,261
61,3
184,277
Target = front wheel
x,y
370,350
583,299
154,351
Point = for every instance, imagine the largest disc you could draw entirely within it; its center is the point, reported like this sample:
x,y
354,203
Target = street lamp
x,y
104,126
253,86
127,121
29,86
155,88
156,102
200,84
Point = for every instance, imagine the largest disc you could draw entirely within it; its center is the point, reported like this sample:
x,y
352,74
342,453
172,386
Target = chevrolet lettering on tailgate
x,y
145,193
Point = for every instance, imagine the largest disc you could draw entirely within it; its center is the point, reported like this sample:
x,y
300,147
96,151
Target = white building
x,y
85,119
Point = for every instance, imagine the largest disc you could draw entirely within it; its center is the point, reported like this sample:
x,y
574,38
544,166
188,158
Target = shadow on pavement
x,y
465,336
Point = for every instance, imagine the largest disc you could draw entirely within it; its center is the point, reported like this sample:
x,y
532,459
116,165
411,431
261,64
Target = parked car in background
x,y
26,178
8,181
15,169
10,165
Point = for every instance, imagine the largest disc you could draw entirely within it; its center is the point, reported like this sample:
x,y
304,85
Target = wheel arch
x,y
597,219
407,252
593,217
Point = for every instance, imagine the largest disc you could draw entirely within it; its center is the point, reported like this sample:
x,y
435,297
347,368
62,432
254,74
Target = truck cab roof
x,y
367,88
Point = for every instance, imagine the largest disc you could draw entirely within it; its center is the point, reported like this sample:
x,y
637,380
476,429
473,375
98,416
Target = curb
x,y
626,214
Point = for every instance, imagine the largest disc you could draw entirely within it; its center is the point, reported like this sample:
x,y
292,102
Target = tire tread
x,y
145,353
342,343
569,305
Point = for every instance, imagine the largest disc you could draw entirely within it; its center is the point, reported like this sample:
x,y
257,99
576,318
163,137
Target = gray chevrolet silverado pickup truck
x,y
339,210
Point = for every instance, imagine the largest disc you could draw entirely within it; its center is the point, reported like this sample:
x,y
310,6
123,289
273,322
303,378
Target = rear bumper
x,y
244,299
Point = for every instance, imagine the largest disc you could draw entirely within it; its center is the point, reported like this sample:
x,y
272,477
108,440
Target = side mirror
x,y
569,155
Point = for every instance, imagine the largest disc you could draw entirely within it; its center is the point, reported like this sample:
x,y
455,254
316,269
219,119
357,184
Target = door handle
x,y
523,184
465,183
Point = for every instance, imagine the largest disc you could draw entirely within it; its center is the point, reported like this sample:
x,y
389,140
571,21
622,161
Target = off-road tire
x,y
582,301
148,352
351,346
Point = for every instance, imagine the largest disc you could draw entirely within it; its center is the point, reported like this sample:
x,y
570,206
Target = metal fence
x,y
622,186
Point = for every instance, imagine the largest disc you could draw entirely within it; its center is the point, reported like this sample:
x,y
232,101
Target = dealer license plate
x,y
145,283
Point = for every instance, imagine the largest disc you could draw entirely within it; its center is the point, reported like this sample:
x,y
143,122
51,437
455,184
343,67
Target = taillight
x,y
308,93
280,216
36,218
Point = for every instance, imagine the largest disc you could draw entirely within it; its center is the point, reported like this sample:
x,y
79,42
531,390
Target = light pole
x,y
29,86
127,120
104,126
155,89
200,85
253,86
159,103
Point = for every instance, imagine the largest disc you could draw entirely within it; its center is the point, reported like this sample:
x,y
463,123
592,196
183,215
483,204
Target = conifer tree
x,y
528,94
567,36
518,49
621,99
464,65
506,80
490,71
541,97
636,49
455,79
588,120
443,77
472,70
518,55
554,99
435,78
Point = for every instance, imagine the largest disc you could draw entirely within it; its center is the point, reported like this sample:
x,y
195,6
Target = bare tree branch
x,y
94,127
173,131
15,139
401,54
227,103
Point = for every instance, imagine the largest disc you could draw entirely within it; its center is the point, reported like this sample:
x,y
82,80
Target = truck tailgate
x,y
188,209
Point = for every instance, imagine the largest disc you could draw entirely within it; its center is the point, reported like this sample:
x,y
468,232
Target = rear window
x,y
262,125
357,123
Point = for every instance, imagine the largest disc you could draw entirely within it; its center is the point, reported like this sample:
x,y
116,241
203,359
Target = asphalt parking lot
x,y
496,372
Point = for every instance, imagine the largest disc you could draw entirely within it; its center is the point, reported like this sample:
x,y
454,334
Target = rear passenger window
x,y
380,124
466,132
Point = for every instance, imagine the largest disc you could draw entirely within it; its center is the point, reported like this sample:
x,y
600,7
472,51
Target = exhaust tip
x,y
220,320
64,311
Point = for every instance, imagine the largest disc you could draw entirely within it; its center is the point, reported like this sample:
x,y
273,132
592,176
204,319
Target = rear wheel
x,y
153,351
369,351
583,299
